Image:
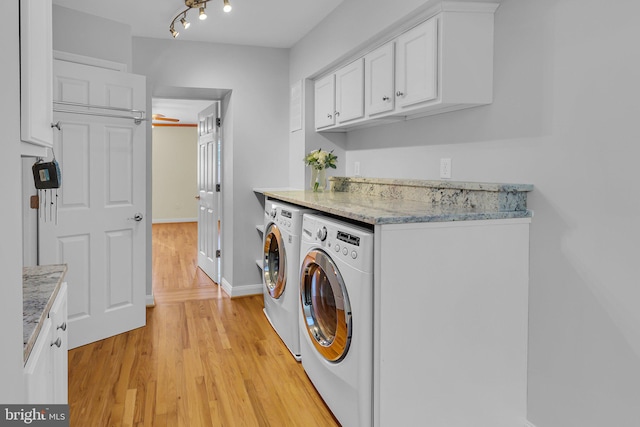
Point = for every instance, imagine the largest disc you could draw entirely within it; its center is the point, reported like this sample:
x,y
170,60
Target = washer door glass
x,y
325,306
274,262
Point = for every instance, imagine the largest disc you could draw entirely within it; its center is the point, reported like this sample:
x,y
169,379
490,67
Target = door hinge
x,y
218,122
218,253
218,188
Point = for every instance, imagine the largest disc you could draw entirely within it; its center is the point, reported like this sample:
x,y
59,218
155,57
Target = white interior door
x,y
99,234
209,192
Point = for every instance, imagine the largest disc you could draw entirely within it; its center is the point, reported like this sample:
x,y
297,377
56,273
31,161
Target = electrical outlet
x,y
356,168
445,168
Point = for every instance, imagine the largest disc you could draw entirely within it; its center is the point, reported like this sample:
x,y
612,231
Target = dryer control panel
x,y
343,241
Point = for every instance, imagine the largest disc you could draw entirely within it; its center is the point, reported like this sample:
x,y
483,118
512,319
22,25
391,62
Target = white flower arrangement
x,y
319,159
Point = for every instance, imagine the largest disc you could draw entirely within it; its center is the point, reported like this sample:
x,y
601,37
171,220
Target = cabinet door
x,y
39,368
36,76
325,101
350,92
417,65
60,352
379,80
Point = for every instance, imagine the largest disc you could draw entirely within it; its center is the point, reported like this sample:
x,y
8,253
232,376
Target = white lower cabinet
x,y
450,328
46,370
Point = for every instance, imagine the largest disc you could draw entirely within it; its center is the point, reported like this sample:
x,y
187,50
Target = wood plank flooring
x,y
203,359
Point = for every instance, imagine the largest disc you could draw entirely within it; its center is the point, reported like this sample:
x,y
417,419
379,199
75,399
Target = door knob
x,y
197,197
137,217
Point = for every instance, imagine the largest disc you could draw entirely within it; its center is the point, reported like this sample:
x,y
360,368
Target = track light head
x,y
194,4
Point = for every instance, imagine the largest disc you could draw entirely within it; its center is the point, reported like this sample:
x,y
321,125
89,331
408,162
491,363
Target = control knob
x,y
273,213
322,233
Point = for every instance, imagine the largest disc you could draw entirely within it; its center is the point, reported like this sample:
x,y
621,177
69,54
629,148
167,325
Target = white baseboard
x,y
150,300
172,220
241,291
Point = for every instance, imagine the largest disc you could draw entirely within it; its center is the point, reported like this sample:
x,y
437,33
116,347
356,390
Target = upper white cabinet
x,y
441,63
379,80
339,96
36,58
350,92
417,65
325,101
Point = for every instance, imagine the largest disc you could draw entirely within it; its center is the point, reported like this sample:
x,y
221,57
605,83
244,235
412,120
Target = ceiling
x,y
251,22
185,110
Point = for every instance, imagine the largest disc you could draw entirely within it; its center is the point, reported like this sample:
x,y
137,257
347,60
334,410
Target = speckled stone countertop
x,y
395,201
40,287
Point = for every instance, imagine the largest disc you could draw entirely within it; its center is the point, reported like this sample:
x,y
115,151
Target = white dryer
x,y
336,326
281,243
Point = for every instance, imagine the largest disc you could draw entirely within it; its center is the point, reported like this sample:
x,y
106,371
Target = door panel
x,y
119,151
103,164
209,198
73,152
417,64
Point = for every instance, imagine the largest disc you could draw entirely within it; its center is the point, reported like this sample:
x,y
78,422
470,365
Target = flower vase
x,y
318,180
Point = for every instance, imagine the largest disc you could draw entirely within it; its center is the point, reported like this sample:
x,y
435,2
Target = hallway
x,y
202,360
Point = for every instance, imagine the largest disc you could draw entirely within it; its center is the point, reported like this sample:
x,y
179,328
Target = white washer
x,y
281,243
336,326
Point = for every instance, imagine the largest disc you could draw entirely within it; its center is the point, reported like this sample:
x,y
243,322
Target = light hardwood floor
x,y
203,359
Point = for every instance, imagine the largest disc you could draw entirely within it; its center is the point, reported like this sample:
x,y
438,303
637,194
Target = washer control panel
x,y
344,241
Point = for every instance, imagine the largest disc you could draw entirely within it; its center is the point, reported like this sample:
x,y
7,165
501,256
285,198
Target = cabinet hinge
x,y
218,122
218,253
218,188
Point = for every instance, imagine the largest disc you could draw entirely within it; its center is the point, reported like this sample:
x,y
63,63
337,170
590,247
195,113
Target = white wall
x,y
175,159
255,131
344,31
565,119
11,359
90,35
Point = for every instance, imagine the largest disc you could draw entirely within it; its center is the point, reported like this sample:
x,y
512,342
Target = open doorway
x,y
184,178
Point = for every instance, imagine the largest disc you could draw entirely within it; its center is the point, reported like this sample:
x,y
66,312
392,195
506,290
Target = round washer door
x,y
274,262
325,305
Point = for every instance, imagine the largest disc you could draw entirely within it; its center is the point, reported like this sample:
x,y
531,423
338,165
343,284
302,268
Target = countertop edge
x,y
295,198
36,331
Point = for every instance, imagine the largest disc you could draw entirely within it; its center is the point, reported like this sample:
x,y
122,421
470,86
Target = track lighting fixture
x,y
194,4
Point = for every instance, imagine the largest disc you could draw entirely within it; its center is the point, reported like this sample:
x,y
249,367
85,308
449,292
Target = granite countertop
x,y
390,201
40,285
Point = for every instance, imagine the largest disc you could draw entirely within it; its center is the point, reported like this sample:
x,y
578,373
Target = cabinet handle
x,y
56,125
398,93
385,98
337,113
63,326
329,116
57,343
